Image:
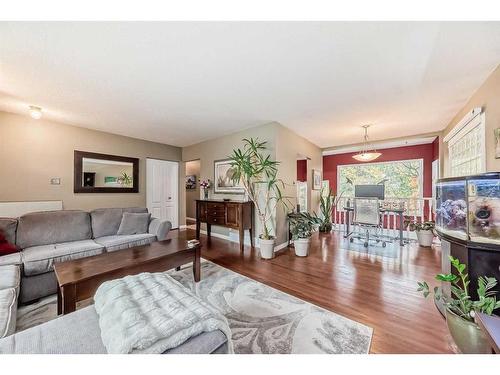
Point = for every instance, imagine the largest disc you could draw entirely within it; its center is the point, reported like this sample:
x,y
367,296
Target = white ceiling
x,y
182,83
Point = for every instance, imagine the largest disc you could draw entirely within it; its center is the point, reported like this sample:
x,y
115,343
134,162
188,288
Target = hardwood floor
x,y
377,291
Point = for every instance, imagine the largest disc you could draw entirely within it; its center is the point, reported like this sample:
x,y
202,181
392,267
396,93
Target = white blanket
x,y
151,313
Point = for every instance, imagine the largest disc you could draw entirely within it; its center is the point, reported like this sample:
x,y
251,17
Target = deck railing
x,y
418,209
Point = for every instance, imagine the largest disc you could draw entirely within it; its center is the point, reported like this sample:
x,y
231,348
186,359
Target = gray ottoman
x,y
79,333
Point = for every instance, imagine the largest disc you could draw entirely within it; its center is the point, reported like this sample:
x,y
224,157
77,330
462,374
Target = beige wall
x,y
34,151
487,97
192,168
290,146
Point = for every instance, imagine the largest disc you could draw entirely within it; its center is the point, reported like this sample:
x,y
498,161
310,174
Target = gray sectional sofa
x,y
46,238
56,236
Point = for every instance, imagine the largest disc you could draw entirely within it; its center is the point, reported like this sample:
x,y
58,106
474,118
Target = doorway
x,y
192,190
162,190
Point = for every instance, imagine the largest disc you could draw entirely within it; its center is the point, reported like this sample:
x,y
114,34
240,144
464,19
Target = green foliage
x,y
401,179
302,225
418,225
257,172
125,179
460,301
325,207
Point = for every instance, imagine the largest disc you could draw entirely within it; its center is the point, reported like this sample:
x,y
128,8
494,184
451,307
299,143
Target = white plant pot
x,y
266,248
425,238
301,246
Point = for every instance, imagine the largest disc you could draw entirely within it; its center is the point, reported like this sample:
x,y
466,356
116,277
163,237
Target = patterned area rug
x,y
262,319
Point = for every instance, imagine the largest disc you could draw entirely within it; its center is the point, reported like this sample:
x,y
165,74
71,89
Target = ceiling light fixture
x,y
35,112
366,155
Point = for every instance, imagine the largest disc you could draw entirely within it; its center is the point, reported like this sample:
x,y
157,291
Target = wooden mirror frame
x,y
78,170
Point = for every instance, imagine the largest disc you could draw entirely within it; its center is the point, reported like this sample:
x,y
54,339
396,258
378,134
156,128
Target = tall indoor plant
x,y
255,170
461,309
325,207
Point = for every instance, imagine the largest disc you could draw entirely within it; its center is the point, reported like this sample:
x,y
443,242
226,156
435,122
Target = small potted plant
x,y
301,228
424,230
205,185
460,309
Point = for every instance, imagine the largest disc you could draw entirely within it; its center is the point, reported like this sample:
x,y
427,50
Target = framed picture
x,y
191,182
223,183
316,179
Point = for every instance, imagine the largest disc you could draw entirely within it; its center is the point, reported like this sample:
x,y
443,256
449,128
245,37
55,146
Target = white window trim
x,y
421,179
472,120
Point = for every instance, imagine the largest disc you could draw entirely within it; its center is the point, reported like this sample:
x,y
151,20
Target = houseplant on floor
x,y
461,309
255,170
301,228
325,206
425,232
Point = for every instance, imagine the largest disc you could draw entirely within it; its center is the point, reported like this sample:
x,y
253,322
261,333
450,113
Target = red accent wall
x,y
435,149
426,152
302,170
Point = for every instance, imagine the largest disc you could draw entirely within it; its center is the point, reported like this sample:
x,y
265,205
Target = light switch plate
x,y
55,181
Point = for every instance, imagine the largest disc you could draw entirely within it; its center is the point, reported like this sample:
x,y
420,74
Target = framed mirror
x,y
102,173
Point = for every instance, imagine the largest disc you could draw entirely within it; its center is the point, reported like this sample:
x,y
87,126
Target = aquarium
x,y
451,208
484,210
468,208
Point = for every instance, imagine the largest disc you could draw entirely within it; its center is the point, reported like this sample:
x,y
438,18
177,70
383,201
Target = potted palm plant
x,y
460,309
301,228
255,170
425,231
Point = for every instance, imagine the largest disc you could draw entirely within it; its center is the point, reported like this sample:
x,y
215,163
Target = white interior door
x,y
162,192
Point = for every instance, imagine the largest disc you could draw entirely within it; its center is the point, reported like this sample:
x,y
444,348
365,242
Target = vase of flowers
x,y
205,185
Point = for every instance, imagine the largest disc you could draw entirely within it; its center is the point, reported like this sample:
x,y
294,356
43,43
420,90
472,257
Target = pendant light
x,y
366,155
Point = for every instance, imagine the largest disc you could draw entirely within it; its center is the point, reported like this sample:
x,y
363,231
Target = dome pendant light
x,y
366,155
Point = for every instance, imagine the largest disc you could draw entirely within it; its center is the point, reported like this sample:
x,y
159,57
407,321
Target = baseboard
x,y
234,237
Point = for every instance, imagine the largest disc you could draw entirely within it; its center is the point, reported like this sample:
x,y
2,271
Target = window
x,y
402,179
466,146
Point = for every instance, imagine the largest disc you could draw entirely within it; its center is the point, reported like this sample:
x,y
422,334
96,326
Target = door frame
x,y
176,186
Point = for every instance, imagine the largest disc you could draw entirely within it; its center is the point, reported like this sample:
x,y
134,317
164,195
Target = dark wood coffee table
x,y
79,279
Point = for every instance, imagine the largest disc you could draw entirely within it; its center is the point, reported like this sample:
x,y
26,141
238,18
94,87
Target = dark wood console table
x,y
230,214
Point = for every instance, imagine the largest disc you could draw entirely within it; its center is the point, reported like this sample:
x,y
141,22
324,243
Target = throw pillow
x,y
6,247
133,223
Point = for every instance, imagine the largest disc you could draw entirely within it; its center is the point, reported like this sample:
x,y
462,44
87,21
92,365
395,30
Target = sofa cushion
x,y
10,277
8,311
44,228
41,259
8,226
134,223
37,286
106,221
10,259
113,243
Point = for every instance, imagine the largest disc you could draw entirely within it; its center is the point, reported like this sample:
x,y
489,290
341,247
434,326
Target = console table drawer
x,y
217,220
216,206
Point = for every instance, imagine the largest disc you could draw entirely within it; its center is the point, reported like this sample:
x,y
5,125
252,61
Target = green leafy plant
x,y
325,207
418,225
258,175
460,301
125,179
302,225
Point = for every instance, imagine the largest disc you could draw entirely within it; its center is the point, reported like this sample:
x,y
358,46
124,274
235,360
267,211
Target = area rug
x,y
262,319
